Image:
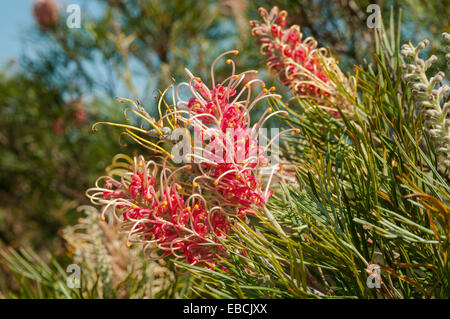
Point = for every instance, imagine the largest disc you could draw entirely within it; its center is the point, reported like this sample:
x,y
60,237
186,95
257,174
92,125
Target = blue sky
x,y
17,24
15,18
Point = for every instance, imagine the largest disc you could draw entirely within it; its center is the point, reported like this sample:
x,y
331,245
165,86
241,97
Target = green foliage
x,y
35,278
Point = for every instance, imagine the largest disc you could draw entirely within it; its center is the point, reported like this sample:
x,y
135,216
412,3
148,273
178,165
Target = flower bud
x,y
437,78
430,61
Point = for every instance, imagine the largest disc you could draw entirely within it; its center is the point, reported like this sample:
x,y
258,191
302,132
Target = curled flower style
x,y
430,94
151,133
156,210
301,66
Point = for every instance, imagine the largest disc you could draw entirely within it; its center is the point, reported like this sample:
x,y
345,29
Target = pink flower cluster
x,y
184,211
155,210
243,188
221,116
215,102
299,63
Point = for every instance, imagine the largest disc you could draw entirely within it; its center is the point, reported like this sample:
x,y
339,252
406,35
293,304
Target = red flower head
x,y
230,151
185,211
154,210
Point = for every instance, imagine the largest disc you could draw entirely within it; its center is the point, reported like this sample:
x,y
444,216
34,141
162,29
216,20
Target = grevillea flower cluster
x,y
301,66
154,209
430,95
185,210
230,149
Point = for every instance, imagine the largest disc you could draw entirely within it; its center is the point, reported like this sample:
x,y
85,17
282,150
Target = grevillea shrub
x,y
301,65
182,208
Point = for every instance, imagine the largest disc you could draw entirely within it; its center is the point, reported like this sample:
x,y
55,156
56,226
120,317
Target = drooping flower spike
x,y
430,95
301,65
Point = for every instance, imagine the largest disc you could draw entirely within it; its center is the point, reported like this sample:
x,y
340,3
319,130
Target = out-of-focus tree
x,y
47,156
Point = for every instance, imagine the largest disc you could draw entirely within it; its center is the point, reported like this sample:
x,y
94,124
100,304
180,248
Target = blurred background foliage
x,y
51,95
